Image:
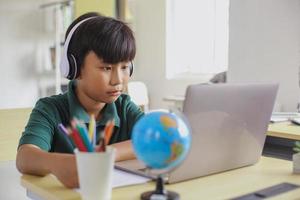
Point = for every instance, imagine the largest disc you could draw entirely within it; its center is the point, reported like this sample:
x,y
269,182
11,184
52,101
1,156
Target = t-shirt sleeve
x,y
134,113
40,127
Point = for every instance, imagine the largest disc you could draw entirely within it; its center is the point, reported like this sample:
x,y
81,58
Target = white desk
x,y
220,186
10,188
12,124
230,184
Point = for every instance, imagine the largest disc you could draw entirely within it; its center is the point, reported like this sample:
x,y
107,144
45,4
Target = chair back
x,y
138,92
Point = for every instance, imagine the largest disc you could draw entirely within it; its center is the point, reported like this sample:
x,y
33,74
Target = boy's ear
x,y
79,75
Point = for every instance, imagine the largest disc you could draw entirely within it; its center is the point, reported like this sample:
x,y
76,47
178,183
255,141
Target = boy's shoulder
x,y
125,103
53,102
124,99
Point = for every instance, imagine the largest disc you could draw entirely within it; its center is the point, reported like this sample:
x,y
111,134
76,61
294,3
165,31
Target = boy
x,y
99,51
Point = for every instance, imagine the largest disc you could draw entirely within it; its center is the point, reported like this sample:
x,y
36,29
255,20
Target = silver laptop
x,y
229,124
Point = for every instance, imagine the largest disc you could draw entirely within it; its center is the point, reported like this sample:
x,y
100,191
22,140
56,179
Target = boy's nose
x,y
116,77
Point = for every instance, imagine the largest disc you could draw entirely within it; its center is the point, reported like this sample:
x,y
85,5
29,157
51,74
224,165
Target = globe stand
x,y
160,193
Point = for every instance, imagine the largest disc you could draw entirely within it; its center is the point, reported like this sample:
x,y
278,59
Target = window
x,y
196,37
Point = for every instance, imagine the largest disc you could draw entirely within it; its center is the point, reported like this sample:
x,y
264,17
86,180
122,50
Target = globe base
x,y
160,193
151,195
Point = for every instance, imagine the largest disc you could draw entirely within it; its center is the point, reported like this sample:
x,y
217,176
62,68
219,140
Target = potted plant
x,y
296,158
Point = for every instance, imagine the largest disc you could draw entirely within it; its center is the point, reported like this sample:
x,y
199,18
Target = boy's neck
x,y
91,106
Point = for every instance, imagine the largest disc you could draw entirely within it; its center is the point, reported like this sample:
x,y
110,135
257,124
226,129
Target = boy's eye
x,y
125,67
106,68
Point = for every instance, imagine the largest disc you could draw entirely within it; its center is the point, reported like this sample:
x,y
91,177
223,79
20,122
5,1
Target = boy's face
x,y
103,82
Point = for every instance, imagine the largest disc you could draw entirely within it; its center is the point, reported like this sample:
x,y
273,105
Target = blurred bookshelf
x,y
58,16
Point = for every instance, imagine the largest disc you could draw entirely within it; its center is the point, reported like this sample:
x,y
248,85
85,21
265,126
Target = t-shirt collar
x,y
76,110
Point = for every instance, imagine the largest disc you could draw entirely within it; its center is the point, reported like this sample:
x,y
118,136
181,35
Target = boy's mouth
x,y
114,93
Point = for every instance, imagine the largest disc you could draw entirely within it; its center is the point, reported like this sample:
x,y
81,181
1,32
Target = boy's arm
x,y
32,160
124,151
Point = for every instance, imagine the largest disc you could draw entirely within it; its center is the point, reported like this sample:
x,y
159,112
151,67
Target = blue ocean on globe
x,y
161,140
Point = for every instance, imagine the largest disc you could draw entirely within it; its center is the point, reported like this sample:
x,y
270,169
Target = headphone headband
x,y
64,64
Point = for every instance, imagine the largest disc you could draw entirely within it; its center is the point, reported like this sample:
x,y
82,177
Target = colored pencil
x,y
78,141
108,130
92,127
84,136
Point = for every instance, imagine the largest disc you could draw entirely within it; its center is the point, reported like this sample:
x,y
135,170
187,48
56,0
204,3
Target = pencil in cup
x,y
84,136
101,147
108,130
105,136
92,126
78,141
66,131
80,136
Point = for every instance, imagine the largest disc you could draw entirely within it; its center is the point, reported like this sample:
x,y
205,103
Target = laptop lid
x,y
229,124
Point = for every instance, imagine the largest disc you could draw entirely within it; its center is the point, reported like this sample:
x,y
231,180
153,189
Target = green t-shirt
x,y
42,127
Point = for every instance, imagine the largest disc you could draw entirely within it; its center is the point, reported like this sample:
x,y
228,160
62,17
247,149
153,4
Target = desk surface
x,y
233,183
284,130
266,173
10,178
12,123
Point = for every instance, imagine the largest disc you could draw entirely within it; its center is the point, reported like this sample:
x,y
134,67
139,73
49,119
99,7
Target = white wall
x,y
20,23
264,45
150,32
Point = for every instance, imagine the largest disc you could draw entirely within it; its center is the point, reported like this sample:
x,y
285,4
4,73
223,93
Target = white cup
x,y
95,172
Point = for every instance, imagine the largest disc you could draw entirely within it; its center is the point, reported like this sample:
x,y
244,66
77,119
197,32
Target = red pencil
x,y
78,141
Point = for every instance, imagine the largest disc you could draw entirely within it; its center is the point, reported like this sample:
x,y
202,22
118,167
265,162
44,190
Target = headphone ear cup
x,y
72,67
131,69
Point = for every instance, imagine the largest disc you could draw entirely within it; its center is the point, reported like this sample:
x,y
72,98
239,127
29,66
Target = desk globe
x,y
161,140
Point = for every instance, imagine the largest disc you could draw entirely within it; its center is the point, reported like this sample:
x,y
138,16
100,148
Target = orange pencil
x,y
108,130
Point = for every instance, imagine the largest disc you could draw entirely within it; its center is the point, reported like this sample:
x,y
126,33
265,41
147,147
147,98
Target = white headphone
x,y
70,69
65,65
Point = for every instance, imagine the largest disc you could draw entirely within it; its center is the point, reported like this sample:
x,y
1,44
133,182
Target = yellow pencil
x,y
92,127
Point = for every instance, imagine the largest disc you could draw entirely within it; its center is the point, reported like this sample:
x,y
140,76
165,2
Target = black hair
x,y
110,39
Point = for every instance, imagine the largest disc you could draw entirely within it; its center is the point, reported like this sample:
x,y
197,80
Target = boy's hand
x,y
32,160
124,151
65,170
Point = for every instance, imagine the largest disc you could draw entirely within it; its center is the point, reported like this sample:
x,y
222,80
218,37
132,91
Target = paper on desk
x,y
122,178
283,116
286,114
275,119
